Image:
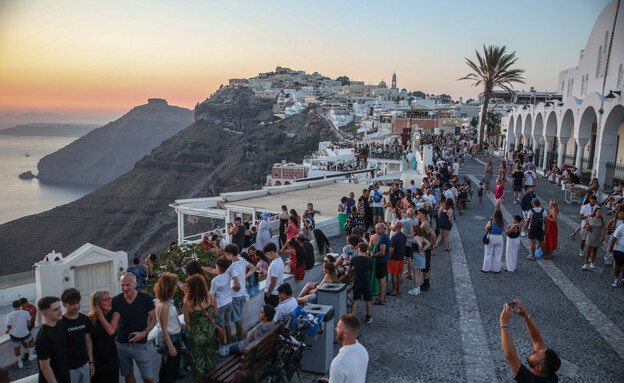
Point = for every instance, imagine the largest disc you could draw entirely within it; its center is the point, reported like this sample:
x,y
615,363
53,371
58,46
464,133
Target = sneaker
x,y
591,265
515,202
615,283
32,357
581,253
523,234
585,267
223,351
369,319
20,363
414,291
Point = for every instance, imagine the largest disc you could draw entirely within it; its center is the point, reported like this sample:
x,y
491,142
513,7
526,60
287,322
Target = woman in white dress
x,y
513,243
264,231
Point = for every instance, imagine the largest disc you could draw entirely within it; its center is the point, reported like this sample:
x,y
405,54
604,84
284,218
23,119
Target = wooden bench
x,y
252,357
348,279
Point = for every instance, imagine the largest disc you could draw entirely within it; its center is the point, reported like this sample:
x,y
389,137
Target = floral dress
x,y
202,343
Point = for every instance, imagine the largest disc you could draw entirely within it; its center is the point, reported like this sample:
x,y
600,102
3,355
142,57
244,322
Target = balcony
x,y
385,154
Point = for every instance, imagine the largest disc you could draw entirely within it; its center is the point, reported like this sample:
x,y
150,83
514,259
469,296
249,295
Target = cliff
x,y
226,149
49,130
112,150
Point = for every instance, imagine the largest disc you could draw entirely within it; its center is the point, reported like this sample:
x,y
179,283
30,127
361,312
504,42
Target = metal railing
x,y
385,154
614,172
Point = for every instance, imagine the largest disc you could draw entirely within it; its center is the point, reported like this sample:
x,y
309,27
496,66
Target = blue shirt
x,y
384,240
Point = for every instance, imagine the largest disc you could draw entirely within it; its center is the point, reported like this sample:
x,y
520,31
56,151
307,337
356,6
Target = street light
x,y
611,96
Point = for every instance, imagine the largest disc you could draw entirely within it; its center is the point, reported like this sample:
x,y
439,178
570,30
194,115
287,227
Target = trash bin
x,y
318,356
333,294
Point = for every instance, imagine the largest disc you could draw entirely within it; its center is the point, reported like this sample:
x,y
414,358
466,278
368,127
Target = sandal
x,y
529,258
392,294
379,303
448,249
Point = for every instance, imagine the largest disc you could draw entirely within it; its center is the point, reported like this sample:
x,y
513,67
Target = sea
x,y
19,198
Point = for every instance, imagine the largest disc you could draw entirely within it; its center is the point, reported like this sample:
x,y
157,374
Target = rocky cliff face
x,y
226,149
112,150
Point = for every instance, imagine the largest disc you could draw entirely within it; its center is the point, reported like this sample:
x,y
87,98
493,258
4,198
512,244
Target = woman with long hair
x,y
445,216
105,358
199,303
297,256
552,230
420,244
308,294
596,230
283,224
292,230
487,175
320,243
170,327
494,249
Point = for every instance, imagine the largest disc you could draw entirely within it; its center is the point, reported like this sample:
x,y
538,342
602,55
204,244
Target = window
x,y
620,78
599,63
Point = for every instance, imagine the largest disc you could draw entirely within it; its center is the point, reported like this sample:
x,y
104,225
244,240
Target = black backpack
x,y
537,220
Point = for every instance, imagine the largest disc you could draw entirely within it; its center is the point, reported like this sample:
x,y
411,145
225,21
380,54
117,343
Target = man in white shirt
x,y
375,201
529,179
17,327
455,168
617,248
351,363
240,270
220,286
275,275
287,303
586,211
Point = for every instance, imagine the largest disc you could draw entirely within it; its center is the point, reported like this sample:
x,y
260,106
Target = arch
x,y
614,119
520,127
511,126
278,183
588,118
538,126
287,183
551,124
567,123
528,128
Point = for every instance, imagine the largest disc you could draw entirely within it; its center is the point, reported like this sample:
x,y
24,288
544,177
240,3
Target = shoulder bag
x,y
220,332
486,236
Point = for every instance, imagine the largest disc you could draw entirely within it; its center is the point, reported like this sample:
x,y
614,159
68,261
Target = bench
x,y
252,357
348,279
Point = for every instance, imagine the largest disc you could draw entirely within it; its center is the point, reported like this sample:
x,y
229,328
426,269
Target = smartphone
x,y
180,284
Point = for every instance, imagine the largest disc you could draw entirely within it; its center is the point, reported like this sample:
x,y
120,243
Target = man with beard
x,y
351,363
543,362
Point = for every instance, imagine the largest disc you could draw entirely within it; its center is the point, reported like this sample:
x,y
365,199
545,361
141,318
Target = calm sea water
x,y
19,198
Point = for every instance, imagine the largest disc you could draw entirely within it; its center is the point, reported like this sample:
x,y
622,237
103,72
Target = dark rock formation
x,y
112,150
49,130
26,176
226,149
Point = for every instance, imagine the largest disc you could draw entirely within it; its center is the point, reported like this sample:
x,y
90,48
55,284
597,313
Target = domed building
x,y
382,85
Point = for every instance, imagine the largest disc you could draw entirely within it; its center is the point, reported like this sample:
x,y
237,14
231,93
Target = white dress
x,y
264,234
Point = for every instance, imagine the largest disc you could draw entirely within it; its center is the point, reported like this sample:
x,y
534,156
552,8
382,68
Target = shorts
x,y
224,314
427,261
517,188
237,308
377,211
362,292
140,353
395,267
80,374
381,269
16,341
313,299
618,256
525,214
409,251
536,234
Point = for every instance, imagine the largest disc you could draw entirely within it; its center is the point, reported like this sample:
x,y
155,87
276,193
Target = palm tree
x,y
493,70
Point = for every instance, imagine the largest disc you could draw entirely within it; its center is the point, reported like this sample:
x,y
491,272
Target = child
x,y
77,327
362,265
32,310
239,271
220,286
480,191
361,207
17,323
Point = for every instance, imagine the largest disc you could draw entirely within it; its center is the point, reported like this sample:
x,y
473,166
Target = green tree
x,y
344,80
474,122
493,69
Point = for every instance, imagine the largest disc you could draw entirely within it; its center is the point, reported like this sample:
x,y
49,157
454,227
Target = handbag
x,y
220,332
486,236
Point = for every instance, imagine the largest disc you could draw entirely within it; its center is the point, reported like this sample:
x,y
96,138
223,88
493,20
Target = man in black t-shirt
x,y
518,183
543,361
77,327
398,243
362,265
51,344
132,309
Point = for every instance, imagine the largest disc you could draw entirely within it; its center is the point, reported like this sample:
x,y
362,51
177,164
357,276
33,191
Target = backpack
x,y
537,220
376,196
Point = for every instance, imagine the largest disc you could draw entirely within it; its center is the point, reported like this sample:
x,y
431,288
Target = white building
x,y
584,129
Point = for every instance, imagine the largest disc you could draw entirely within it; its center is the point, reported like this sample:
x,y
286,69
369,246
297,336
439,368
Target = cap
x,y
535,200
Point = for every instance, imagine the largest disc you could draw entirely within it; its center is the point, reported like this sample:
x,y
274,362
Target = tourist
x,y
297,256
513,243
612,226
286,303
308,293
493,251
51,343
170,327
199,309
499,193
596,230
592,188
348,252
32,310
237,231
362,265
351,363
220,287
292,229
139,273
381,253
502,172
78,329
429,235
132,309
480,191
354,222
407,224
535,226
350,201
263,263
487,175
587,210
552,230
320,243
529,178
518,183
264,231
105,357
376,202
397,258
193,267
265,315
206,243
275,275
543,362
342,213
616,246
239,270
17,322
149,261
420,244
445,214
526,204
309,214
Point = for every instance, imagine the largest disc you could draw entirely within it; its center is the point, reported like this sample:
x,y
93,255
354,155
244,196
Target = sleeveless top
x,y
514,235
239,238
310,216
495,229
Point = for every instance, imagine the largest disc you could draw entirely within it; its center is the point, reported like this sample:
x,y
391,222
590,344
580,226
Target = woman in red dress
x,y
297,255
552,230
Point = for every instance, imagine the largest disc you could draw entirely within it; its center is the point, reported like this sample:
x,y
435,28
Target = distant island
x,y
49,130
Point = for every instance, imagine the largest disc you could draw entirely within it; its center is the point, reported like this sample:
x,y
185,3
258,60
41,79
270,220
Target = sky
x,y
105,57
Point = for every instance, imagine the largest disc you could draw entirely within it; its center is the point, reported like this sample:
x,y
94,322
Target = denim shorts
x,y
224,314
377,211
237,308
140,353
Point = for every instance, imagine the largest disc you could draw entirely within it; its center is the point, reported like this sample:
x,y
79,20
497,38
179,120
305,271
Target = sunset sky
x,y
104,57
